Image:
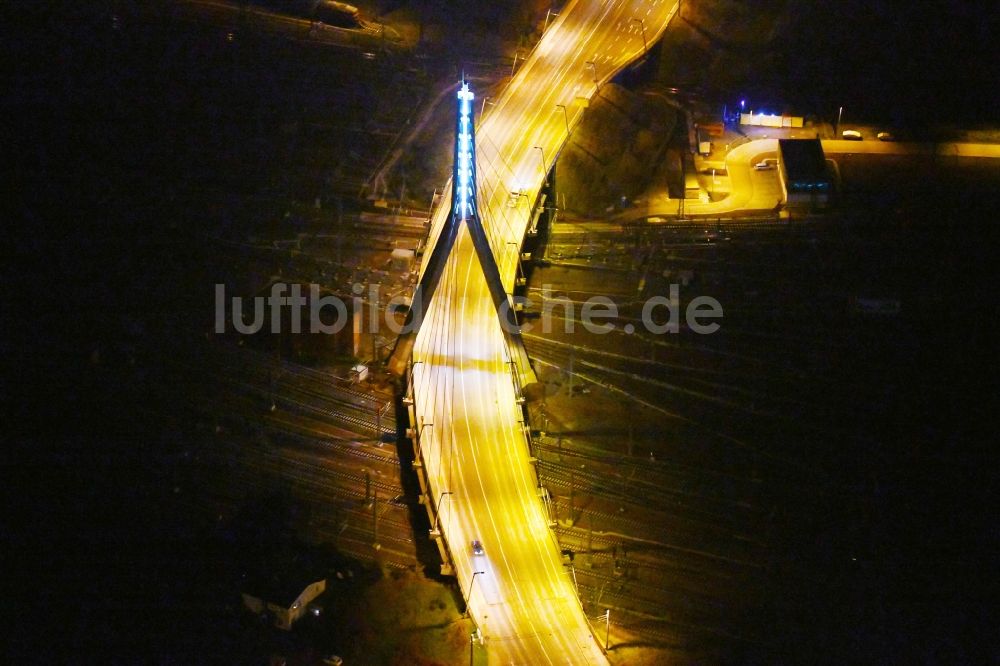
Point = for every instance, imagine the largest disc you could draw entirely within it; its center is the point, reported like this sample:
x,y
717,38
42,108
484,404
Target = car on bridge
x,y
477,547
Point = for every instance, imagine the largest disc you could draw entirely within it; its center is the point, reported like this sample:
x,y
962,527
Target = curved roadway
x,y
751,190
472,436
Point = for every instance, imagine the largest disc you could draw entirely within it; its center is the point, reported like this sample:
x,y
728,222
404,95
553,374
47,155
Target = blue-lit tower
x,y
464,210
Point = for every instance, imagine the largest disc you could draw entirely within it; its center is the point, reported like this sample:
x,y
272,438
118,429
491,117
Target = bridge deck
x,y
524,601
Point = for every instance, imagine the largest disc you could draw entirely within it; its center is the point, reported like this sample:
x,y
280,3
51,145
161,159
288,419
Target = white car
x,y
851,135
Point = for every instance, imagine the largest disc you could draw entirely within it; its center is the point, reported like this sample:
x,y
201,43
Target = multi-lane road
x,y
472,438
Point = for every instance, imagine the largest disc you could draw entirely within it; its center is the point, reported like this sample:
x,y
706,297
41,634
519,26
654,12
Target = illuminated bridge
x,y
466,373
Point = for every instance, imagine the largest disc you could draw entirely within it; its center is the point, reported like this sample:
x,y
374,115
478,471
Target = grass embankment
x,y
722,46
403,619
611,152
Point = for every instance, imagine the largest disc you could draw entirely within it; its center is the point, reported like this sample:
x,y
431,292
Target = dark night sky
x,y
887,59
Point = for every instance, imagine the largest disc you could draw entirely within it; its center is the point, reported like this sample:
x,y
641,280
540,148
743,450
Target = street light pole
x,y
545,171
411,365
565,116
594,65
836,128
642,23
468,597
607,627
517,267
375,543
379,413
437,511
420,434
548,13
514,64
572,496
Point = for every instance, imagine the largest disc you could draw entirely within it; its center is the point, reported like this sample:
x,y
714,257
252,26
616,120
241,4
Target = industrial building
x,y
770,120
283,599
803,172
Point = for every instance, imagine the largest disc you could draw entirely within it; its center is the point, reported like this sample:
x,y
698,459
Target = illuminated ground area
x,y
751,477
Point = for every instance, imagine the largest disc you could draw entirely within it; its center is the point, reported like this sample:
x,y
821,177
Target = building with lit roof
x,y
803,172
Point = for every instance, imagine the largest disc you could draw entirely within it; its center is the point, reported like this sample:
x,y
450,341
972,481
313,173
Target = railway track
x,y
683,380
643,492
564,233
650,622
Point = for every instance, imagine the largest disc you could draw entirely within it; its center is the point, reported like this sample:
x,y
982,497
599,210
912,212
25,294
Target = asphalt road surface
x,y
473,444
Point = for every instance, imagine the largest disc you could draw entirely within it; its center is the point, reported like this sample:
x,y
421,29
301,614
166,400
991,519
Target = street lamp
x,y
548,13
379,413
419,437
468,597
414,364
514,64
519,280
545,171
483,110
517,247
565,116
437,511
411,365
642,22
594,65
836,128
607,627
